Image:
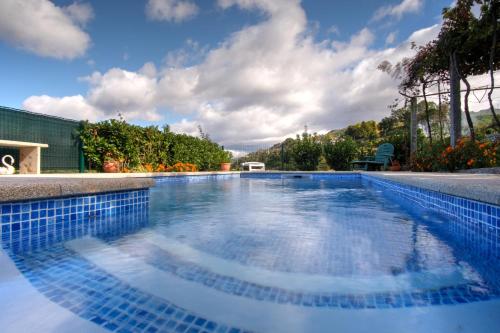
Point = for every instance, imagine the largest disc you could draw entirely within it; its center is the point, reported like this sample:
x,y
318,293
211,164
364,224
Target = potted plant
x,y
226,161
111,165
225,166
395,166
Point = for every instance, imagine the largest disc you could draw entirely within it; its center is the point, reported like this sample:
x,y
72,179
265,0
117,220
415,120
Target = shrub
x,y
427,159
306,152
467,154
147,149
339,154
182,167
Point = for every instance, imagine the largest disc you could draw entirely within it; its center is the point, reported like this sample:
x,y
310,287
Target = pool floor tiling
x,y
258,253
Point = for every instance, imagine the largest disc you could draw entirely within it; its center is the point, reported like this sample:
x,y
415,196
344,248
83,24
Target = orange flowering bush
x,y
177,167
148,167
469,154
466,154
427,158
182,167
161,168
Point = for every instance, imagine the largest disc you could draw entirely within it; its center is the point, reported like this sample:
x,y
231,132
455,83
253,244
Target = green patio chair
x,y
382,158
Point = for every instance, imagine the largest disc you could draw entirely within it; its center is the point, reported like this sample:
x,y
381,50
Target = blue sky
x,y
228,65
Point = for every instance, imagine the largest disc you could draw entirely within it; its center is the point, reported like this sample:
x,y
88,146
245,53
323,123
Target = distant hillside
x,y
480,118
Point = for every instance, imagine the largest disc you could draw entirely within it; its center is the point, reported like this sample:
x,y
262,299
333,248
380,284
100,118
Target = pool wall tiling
x,y
71,283
476,216
27,224
479,220
190,178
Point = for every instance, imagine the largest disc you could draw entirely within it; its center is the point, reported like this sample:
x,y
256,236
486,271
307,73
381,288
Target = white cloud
x,y
131,94
260,85
391,38
397,11
191,52
171,10
80,13
254,89
334,30
71,107
45,29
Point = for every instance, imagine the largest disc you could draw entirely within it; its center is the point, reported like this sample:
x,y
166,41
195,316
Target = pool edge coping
x,y
484,188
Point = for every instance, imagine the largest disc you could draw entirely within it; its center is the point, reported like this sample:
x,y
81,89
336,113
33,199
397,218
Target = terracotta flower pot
x,y
225,166
395,166
111,167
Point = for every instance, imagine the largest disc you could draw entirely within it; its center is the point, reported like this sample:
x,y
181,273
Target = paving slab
x,y
481,187
28,188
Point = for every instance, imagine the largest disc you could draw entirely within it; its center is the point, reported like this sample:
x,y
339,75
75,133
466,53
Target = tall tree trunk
x,y
455,110
492,60
407,138
466,109
439,112
466,99
427,117
413,130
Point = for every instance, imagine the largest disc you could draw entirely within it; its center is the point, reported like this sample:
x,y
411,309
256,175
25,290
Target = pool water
x,y
323,254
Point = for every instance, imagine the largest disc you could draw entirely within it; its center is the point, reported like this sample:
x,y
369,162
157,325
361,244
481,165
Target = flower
x,y
470,162
182,167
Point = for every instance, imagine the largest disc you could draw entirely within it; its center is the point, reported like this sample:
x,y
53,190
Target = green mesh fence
x,y
63,154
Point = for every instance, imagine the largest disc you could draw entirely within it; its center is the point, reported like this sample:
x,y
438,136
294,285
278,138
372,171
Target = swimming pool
x,y
261,253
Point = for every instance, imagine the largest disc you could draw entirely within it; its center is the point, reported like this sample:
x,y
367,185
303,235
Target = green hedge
x,y
136,146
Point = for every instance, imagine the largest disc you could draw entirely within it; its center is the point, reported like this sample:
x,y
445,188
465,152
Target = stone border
x,y
116,175
29,188
480,187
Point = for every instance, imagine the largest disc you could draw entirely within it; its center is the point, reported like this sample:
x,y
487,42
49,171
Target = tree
x,y
465,46
135,146
490,12
341,153
365,130
418,73
471,43
306,152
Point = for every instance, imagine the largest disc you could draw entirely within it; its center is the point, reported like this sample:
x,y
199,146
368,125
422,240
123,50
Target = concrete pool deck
x,y
481,187
27,188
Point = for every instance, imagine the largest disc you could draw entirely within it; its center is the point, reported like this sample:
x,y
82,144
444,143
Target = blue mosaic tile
x,y
161,259
478,219
89,292
39,221
35,226
292,175
194,179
